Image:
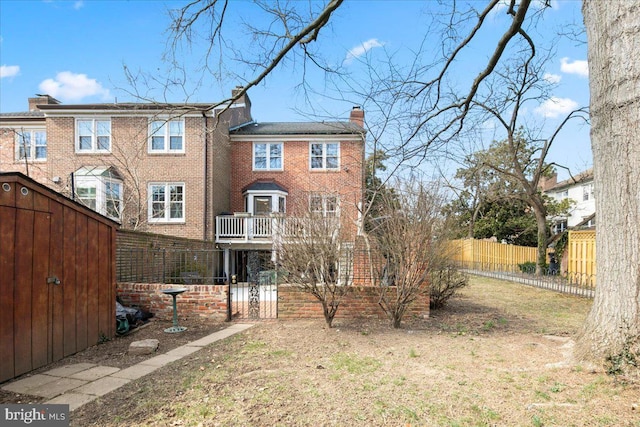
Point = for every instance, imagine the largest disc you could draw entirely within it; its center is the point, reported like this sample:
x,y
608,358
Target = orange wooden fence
x,y
488,255
581,254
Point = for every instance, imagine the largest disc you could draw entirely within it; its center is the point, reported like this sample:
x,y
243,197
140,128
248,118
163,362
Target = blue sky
x,y
76,51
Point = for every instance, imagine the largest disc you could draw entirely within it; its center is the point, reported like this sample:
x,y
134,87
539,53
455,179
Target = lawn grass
x,y
481,361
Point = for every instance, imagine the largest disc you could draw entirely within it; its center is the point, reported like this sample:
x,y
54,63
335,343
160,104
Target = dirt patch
x,y
497,355
114,352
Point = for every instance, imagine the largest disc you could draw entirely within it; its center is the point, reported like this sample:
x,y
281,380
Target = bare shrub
x,y
444,284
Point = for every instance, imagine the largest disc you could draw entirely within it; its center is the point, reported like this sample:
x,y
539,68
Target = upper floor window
x,y
31,144
587,192
166,136
93,135
267,156
325,205
166,202
325,155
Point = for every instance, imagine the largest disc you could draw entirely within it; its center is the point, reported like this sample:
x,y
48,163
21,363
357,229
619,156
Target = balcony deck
x,y
254,229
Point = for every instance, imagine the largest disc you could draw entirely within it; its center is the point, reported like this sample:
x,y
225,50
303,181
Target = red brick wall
x,y
205,301
361,302
299,180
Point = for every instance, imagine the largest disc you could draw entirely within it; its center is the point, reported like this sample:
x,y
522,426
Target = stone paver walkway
x,y
81,383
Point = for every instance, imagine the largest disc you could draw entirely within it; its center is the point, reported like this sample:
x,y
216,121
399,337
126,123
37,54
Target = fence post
x,y
164,266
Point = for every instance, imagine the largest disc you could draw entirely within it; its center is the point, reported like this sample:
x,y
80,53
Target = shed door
x,y
26,303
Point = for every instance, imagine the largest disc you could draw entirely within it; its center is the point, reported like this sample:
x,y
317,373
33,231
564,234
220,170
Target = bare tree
x,y
437,114
313,253
406,244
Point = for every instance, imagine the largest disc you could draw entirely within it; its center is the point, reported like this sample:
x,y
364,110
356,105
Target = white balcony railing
x,y
258,229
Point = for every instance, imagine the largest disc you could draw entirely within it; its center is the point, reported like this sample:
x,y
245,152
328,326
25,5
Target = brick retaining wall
x,y
206,301
361,302
210,301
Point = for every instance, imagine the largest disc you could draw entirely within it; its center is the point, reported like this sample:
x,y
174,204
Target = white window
x,y
166,136
31,144
326,205
113,199
166,202
86,191
99,188
267,156
587,192
93,135
324,155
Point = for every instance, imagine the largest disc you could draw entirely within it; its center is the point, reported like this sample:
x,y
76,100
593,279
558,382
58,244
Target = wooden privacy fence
x,y
581,254
493,256
488,255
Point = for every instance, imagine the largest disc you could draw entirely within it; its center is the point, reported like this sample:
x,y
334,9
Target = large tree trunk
x,y
613,32
543,233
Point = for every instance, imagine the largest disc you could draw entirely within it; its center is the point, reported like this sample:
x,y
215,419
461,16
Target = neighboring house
x,y
580,190
183,170
159,168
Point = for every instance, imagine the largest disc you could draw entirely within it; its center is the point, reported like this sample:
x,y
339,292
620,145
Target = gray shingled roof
x,y
264,186
298,128
125,106
582,177
24,114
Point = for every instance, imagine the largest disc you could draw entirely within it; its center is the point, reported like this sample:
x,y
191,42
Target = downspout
x,y
206,177
73,186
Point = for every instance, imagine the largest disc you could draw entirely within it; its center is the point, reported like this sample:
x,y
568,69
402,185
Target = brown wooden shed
x,y
57,276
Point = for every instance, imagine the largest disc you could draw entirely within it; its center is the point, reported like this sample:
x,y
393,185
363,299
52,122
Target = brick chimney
x,y
546,183
357,116
41,100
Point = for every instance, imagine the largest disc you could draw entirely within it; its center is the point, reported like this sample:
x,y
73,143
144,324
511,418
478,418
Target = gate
x,y
254,294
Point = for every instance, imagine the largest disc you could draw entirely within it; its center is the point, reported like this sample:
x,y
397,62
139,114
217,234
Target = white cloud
x,y
555,107
361,49
78,4
9,71
578,67
69,86
552,78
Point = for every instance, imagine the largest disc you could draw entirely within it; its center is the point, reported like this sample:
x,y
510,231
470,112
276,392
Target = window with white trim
x,y
100,189
166,202
267,156
31,144
587,192
326,205
166,136
324,155
93,135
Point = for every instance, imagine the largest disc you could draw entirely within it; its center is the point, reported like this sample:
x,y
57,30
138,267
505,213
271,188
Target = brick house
x,y
185,169
281,170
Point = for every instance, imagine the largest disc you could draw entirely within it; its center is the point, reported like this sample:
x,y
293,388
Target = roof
x,y
37,114
580,178
126,106
262,185
106,171
298,128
